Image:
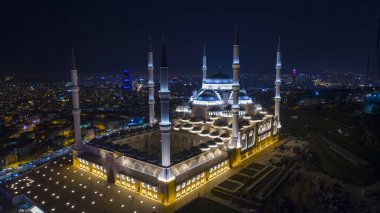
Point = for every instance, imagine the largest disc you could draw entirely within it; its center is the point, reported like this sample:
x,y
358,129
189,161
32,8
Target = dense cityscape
x,y
147,135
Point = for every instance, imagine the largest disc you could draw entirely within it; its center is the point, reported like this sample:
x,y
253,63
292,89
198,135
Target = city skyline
x,y
218,107
324,36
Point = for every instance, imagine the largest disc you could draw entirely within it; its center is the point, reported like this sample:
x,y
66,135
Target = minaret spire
x,y
204,66
235,91
164,62
78,145
150,44
236,36
165,125
73,64
151,83
277,97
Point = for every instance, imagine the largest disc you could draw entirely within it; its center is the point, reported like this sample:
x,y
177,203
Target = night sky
x,y
37,36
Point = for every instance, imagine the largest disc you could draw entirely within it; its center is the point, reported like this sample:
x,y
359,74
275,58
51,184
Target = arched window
x,y
201,160
251,140
244,142
275,128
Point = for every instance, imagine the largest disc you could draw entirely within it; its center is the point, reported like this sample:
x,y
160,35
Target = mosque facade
x,y
218,128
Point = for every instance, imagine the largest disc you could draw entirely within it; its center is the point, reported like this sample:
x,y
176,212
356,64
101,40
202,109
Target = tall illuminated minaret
x,y
165,125
204,66
151,83
277,97
235,92
78,145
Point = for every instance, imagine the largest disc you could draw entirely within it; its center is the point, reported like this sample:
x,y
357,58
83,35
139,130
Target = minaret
x,y
277,97
165,125
151,83
78,145
235,92
204,66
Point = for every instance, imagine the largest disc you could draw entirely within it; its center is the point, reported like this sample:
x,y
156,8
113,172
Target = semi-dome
x,y
242,97
208,95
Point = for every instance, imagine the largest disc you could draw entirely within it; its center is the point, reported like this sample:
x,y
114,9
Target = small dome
x,y
205,132
194,119
220,123
185,119
203,147
197,128
194,150
215,133
218,141
211,144
225,135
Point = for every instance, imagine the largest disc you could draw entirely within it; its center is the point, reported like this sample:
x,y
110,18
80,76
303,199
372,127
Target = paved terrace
x,y
60,187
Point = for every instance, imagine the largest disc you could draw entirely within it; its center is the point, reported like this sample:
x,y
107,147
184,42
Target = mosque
x,y
217,129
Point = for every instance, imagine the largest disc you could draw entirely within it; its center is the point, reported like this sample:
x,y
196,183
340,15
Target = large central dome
x,y
218,78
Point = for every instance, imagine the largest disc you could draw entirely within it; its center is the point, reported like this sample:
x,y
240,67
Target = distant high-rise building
x,y
374,71
126,81
294,75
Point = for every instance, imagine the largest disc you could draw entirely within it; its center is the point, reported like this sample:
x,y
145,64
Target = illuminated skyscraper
x,y
294,76
126,81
